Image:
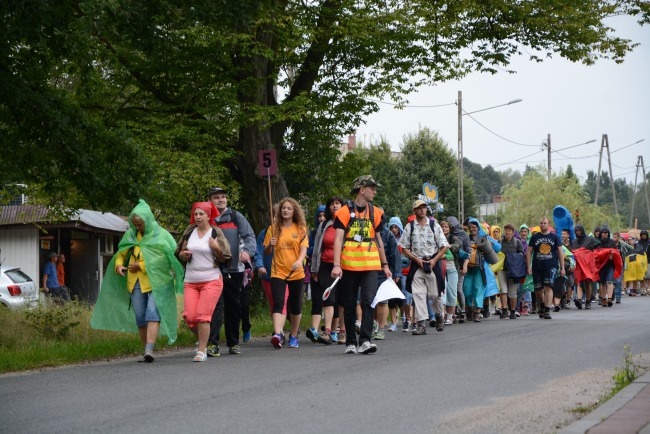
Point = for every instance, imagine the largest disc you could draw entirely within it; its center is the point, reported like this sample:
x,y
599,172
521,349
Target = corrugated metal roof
x,y
22,214
103,220
27,214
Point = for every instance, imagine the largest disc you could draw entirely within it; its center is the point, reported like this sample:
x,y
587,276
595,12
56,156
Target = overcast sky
x,y
571,102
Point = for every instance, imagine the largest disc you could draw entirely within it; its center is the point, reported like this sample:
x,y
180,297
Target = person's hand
x,y
134,267
186,255
315,277
120,269
296,265
464,271
244,256
273,241
261,271
387,271
212,243
336,272
530,271
562,271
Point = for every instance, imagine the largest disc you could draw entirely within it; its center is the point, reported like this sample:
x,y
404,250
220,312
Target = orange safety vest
x,y
359,252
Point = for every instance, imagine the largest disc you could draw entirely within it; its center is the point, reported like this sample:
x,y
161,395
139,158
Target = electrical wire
x,y
496,134
408,105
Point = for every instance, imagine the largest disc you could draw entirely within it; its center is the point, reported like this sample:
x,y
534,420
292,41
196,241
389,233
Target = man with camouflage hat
x,y
358,256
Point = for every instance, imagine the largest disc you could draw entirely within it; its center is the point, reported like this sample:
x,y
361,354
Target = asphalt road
x,y
409,384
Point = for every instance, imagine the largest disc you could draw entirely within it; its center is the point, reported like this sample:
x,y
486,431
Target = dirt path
x,y
545,410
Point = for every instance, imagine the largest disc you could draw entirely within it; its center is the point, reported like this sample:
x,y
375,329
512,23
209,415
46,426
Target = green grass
x,y
60,335
623,376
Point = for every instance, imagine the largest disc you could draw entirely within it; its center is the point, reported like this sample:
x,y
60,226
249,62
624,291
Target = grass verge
x,y
623,376
52,336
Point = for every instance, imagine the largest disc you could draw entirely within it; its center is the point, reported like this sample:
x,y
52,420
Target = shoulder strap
x,y
432,225
214,233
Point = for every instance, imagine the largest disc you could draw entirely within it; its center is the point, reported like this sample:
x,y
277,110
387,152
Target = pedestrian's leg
x,y
232,307
217,319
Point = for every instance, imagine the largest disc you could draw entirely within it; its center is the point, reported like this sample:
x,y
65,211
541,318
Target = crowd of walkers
x,y
447,272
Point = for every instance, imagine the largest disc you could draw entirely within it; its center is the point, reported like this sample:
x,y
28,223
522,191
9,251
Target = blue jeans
x,y
144,306
618,287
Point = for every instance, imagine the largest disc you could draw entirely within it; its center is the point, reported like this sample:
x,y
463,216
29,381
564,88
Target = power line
x,y
408,105
498,135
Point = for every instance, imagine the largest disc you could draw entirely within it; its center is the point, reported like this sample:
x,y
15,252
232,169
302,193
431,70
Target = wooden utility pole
x,y
604,143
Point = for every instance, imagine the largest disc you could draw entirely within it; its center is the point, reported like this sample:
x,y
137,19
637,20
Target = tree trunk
x,y
255,185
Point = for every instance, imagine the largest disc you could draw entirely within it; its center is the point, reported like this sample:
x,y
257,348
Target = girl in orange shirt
x,y
287,240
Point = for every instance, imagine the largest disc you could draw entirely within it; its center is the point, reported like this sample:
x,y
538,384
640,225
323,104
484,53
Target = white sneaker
x,y
367,348
350,349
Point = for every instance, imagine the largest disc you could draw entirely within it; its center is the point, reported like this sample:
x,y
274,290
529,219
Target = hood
x,y
495,227
481,232
643,232
397,222
143,210
320,209
454,223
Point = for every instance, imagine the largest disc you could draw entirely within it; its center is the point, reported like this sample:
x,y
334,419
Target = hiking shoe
x,y
379,335
497,311
293,342
461,318
578,303
547,315
246,337
334,337
312,335
541,314
367,348
148,356
350,349
556,309
276,340
325,338
414,327
504,314
588,305
234,350
342,337
513,315
449,321
420,329
212,350
393,327
440,324
405,326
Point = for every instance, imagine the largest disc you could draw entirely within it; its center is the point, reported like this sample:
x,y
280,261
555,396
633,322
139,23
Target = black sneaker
x,y
578,303
588,305
547,315
513,314
212,350
556,309
504,314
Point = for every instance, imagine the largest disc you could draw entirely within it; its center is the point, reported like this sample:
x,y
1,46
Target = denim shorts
x,y
144,306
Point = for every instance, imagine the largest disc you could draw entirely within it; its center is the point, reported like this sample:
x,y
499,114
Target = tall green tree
x,y
536,197
137,98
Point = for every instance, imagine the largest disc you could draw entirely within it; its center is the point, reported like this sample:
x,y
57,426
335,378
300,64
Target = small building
x,y
88,240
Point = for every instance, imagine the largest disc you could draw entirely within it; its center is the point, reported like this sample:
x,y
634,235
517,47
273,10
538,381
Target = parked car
x,y
17,289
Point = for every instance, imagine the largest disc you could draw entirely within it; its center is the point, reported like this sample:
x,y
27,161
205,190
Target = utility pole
x,y
548,148
605,144
461,174
639,165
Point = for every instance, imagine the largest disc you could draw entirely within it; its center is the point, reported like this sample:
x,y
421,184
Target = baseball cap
x,y
364,181
53,255
215,190
418,203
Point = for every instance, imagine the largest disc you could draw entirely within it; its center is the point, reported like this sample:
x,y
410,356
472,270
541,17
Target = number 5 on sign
x,y
266,162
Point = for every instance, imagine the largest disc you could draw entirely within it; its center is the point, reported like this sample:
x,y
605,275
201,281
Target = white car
x,y
17,289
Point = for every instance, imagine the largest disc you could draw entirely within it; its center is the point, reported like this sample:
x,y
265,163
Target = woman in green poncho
x,y
144,276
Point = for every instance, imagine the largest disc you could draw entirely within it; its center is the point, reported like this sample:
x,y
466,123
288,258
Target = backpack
x,y
353,217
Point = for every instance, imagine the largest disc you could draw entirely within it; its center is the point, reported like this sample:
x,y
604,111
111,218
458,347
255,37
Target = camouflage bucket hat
x,y
364,181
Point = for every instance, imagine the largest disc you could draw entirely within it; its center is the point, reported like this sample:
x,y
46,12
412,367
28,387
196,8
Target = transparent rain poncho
x,y
113,308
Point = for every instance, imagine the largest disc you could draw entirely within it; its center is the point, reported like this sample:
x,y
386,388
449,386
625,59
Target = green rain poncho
x,y
113,308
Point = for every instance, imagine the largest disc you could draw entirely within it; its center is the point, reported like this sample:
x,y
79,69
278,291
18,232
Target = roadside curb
x,y
610,407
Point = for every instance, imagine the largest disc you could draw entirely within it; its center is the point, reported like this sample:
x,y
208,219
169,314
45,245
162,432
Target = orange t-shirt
x,y
287,251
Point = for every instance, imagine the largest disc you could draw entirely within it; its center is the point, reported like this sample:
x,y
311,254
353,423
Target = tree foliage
x,y
536,197
162,99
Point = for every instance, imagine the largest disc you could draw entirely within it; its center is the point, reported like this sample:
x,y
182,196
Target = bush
x,y
53,322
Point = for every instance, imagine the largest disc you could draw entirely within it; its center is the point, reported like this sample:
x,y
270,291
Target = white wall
x,y
19,247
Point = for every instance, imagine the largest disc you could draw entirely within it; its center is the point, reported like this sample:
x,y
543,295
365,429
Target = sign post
x,y
268,165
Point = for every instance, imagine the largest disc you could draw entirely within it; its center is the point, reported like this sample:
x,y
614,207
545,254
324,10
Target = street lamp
x,y
461,170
